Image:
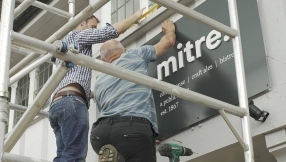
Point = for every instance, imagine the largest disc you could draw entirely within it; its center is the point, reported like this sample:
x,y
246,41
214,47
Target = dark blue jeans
x,y
133,138
70,121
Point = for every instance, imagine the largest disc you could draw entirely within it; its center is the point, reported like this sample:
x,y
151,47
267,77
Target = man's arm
x,y
168,40
93,36
123,25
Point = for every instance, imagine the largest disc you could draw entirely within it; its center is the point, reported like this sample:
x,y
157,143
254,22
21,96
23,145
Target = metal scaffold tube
x,y
183,10
240,140
50,9
132,76
23,109
7,15
36,47
153,83
72,7
26,70
80,17
7,157
35,107
19,51
241,84
22,7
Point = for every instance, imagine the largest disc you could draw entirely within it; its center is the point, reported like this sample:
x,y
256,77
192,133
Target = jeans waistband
x,y
115,119
58,99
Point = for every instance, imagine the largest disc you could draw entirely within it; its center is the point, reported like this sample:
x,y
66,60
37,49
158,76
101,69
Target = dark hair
x,y
92,16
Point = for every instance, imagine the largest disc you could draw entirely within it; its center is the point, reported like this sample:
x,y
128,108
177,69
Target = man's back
x,y
118,97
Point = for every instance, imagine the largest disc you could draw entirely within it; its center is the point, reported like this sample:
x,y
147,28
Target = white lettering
x,y
180,56
188,51
198,44
213,41
165,64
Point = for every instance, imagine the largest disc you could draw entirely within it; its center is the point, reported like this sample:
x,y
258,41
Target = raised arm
x,y
168,40
123,25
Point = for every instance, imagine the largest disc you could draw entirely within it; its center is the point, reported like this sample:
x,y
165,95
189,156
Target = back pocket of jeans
x,y
79,100
133,135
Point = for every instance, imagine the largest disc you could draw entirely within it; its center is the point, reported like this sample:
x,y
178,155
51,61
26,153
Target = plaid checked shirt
x,y
84,39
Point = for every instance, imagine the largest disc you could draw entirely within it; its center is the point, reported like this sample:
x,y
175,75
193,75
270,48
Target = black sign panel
x,y
202,60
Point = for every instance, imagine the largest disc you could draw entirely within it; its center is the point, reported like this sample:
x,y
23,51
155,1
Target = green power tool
x,y
174,151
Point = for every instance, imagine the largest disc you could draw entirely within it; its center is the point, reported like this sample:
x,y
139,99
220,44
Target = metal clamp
x,y
4,121
5,94
67,64
61,46
73,48
4,117
53,59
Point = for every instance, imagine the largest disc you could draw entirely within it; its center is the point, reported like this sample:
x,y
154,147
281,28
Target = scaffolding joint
x,y
67,64
5,94
4,118
73,48
61,46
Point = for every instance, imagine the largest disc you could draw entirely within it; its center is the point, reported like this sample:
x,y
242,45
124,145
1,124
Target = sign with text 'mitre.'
x,y
202,60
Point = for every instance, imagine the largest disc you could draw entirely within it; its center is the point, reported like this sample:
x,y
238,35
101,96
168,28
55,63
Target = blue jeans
x,y
70,121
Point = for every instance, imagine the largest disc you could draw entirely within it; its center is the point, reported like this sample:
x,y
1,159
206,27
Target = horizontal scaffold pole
x,y
23,109
50,9
185,11
26,70
22,7
7,157
80,17
135,77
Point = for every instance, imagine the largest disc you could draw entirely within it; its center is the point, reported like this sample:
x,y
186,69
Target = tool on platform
x,y
174,151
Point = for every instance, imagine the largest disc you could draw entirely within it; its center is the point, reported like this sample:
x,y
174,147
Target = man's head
x,y
90,22
111,50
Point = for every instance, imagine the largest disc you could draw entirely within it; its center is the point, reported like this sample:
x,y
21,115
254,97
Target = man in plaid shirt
x,y
69,110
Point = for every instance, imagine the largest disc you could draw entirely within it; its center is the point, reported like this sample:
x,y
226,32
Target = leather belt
x,y
69,93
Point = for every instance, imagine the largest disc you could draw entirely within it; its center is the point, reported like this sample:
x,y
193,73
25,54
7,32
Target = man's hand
x,y
123,25
138,14
168,40
168,26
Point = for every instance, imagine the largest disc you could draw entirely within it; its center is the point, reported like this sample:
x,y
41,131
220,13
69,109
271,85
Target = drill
x,y
173,151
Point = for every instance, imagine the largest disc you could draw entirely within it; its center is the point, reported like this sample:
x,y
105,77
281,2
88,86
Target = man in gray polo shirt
x,y
127,118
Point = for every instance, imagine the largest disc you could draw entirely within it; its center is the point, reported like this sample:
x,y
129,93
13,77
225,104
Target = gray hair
x,y
106,53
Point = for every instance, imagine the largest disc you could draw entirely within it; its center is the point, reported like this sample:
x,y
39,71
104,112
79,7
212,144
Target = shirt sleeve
x,y
93,36
148,53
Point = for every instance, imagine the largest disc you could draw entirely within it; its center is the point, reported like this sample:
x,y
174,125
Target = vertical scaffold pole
x,y
7,16
241,84
72,8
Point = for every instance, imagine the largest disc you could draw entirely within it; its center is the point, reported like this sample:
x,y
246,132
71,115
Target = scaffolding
x,y
52,47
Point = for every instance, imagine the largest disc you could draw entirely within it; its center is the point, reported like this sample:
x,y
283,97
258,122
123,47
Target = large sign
x,y
202,60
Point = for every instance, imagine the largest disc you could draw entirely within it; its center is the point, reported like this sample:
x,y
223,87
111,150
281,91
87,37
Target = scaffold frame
x,y
52,48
